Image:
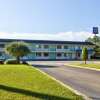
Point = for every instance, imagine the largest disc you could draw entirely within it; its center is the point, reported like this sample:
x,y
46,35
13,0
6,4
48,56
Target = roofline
x,y
48,41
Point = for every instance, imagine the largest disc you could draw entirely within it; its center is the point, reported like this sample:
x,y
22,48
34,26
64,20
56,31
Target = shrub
x,y
24,62
1,61
85,54
11,61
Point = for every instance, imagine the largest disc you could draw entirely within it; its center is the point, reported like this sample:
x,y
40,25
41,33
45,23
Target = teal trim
x,y
33,55
52,48
32,47
52,55
30,56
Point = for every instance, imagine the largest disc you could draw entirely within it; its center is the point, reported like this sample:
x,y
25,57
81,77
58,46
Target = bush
x,y
24,62
1,61
11,61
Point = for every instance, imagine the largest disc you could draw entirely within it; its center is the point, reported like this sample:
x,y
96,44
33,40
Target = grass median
x,y
88,65
22,82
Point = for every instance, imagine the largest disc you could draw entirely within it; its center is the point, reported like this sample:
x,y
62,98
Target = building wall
x,y
52,51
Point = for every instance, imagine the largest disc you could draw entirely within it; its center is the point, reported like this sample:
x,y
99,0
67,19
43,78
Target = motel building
x,y
50,50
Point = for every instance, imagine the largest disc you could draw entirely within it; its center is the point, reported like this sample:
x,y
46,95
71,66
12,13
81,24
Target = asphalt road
x,y
84,80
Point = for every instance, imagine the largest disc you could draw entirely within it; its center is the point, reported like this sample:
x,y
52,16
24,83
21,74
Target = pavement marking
x,y
66,86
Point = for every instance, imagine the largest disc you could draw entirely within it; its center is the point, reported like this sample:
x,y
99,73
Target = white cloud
x,y
66,36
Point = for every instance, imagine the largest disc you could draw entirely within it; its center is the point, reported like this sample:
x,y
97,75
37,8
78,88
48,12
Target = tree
x,y
17,49
96,41
84,54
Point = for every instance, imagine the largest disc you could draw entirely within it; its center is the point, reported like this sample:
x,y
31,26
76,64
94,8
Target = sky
x,y
70,20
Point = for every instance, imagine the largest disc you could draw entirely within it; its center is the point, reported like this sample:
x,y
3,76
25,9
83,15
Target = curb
x,y
75,66
68,87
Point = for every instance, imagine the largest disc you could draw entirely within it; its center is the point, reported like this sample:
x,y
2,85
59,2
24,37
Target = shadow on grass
x,y
31,93
44,66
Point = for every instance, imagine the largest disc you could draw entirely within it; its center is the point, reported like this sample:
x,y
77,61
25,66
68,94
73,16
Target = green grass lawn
x,y
89,65
22,82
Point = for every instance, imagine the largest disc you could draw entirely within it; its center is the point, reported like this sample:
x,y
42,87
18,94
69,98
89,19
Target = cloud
x,y
64,36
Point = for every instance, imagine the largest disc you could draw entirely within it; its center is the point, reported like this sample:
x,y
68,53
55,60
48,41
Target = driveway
x,y
84,80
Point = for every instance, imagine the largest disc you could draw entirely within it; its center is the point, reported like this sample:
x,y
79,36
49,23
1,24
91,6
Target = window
x,y
59,46
65,54
46,46
78,54
38,46
70,55
1,53
65,47
78,47
46,54
59,54
38,54
2,45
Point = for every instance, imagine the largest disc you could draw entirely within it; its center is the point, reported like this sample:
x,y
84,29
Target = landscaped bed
x,y
22,82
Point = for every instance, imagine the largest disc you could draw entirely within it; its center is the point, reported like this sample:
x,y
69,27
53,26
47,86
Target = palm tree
x,y
17,49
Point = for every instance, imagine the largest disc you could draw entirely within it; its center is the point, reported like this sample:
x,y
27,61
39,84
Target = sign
x,y
95,30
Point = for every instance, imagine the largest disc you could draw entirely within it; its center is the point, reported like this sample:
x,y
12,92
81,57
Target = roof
x,y
47,41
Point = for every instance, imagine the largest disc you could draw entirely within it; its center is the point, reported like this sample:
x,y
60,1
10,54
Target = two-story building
x,y
50,50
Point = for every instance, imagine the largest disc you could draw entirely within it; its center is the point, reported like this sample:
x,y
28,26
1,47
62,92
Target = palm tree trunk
x,y
18,59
